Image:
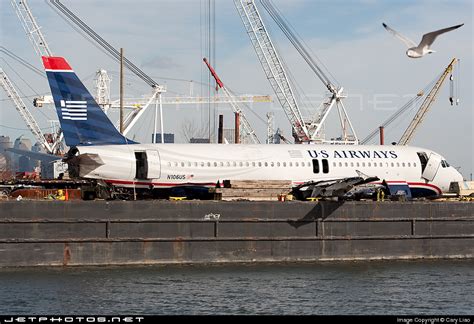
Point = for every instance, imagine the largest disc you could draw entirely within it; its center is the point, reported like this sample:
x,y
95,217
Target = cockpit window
x,y
444,163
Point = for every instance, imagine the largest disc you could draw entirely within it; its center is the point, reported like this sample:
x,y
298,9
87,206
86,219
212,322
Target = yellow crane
x,y
425,106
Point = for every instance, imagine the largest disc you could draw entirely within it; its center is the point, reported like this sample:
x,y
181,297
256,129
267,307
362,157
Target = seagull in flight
x,y
420,50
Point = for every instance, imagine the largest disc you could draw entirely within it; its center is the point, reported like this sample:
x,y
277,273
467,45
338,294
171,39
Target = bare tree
x,y
190,129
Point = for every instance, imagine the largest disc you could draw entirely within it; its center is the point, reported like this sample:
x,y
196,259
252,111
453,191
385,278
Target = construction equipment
x,y
425,106
304,131
32,29
37,39
270,127
157,90
431,90
246,131
51,145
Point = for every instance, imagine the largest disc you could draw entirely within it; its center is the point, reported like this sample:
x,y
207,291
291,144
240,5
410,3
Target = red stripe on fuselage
x,y
211,184
55,63
415,184
162,184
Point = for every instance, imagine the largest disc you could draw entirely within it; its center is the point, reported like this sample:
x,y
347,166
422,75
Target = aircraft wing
x,y
35,155
331,188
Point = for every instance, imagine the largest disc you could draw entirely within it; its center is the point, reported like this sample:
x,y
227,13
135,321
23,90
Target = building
x,y
168,137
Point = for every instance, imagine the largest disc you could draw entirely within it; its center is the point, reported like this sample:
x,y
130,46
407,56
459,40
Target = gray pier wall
x,y
60,233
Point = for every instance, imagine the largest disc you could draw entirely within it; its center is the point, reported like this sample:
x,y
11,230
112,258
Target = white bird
x,y
427,40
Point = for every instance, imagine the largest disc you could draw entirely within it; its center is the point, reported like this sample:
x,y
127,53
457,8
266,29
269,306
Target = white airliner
x,y
99,151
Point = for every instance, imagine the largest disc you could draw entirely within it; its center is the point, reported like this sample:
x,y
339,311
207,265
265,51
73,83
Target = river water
x,y
441,287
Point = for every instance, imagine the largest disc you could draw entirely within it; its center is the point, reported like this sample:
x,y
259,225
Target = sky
x,y
167,40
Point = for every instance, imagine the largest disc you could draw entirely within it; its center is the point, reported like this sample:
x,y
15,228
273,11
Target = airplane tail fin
x,y
82,120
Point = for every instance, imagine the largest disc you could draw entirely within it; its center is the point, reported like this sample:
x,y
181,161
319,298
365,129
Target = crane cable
x,y
22,61
400,111
102,42
292,37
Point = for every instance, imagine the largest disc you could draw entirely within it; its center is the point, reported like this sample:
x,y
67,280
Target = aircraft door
x,y
141,165
432,167
154,164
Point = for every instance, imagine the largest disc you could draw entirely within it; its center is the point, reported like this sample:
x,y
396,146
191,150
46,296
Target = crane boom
x,y
244,123
32,29
272,65
24,112
425,106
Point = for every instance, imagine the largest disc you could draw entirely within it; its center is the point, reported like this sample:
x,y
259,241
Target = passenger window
x,y
381,164
202,164
447,164
334,164
325,166
234,164
290,164
296,164
241,164
182,164
253,164
340,164
315,166
352,164
357,164
278,164
363,164
266,164
398,164
346,164
208,164
222,164
169,164
284,164
272,164
260,164
247,164
409,164
368,164
403,164
215,164
392,164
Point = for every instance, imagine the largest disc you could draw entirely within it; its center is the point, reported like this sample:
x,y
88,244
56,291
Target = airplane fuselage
x,y
170,165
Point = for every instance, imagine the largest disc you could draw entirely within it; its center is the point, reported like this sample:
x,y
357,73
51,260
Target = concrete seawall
x,y
53,233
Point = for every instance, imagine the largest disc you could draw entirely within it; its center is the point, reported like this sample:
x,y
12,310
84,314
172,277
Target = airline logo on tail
x,y
82,120
74,109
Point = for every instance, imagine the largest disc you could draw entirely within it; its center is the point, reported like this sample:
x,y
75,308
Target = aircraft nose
x,y
458,176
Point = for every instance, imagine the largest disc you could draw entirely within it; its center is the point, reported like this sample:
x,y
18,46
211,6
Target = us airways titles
x,y
353,154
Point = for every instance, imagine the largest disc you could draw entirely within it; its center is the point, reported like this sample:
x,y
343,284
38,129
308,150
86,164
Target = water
x,y
389,287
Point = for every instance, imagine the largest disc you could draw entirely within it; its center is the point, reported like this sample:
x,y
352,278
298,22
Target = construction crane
x,y
157,90
138,103
425,106
270,126
52,146
304,131
246,130
38,41
32,29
